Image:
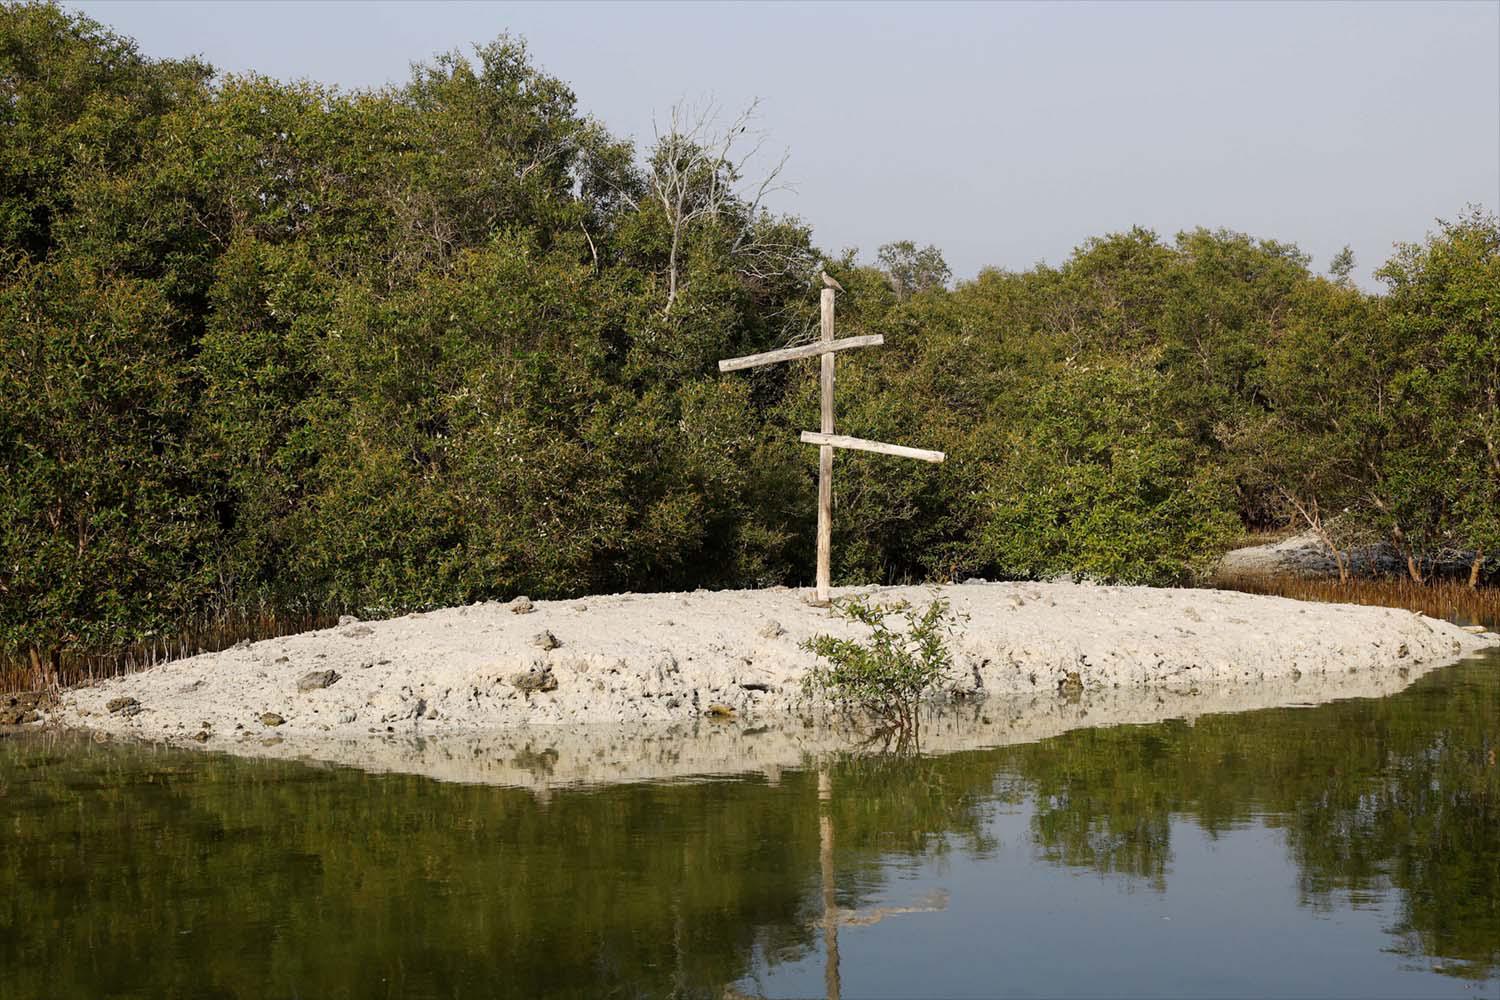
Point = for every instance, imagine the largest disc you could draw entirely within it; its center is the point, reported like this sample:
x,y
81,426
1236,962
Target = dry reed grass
x,y
31,671
1450,599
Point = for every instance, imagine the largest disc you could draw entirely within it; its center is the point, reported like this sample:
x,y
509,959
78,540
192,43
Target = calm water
x,y
1349,849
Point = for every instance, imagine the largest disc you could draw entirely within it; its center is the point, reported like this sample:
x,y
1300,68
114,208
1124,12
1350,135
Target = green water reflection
x,y
131,871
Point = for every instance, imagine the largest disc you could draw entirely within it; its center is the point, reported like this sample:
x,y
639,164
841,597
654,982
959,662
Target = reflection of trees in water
x,y
369,885
1425,819
1371,795
383,885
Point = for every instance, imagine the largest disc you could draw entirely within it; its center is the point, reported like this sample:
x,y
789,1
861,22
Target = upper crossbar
x,y
812,350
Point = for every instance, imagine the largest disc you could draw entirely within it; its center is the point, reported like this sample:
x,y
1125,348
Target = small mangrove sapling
x,y
888,676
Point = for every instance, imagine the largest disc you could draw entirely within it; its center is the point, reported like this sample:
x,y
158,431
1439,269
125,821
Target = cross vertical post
x,y
825,347
825,461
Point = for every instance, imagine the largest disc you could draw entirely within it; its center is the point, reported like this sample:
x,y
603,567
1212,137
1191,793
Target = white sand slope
x,y
667,659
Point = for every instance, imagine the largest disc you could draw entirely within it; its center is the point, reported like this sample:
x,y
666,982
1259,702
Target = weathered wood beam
x,y
824,579
879,447
803,351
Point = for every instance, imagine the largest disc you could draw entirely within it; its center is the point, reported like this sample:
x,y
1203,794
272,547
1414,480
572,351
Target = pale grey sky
x,y
1005,133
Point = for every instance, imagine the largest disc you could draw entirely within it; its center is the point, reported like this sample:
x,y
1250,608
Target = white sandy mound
x,y
664,658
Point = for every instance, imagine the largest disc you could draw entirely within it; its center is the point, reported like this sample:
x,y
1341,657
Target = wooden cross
x,y
825,438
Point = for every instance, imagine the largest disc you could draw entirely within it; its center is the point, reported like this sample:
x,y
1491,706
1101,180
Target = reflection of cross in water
x,y
825,438
832,915
825,859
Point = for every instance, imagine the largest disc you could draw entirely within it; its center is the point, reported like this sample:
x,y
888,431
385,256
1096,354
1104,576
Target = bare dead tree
x,y
700,172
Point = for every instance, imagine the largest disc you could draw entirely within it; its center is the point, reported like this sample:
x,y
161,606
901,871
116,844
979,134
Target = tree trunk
x,y
1413,568
671,264
672,267
1314,520
1474,568
1340,558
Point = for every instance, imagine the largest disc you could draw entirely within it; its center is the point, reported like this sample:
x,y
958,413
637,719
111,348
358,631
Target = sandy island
x,y
486,692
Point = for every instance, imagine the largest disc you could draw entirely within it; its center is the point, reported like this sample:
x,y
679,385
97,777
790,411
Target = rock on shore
x,y
671,658
1306,555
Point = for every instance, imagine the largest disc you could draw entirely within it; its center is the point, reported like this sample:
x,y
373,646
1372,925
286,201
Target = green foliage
x,y
1095,483
1388,410
278,348
310,350
104,532
1444,308
888,676
79,102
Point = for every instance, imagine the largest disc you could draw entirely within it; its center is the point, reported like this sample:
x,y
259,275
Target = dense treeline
x,y
274,347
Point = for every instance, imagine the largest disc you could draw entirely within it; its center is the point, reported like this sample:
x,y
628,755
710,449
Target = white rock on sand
x,y
1303,555
1306,555
660,659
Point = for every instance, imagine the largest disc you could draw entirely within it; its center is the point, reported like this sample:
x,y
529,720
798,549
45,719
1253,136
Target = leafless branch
x,y
698,171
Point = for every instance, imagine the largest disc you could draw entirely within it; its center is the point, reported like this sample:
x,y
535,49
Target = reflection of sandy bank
x,y
544,757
